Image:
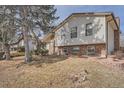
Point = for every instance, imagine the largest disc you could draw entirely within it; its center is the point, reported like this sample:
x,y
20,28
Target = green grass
x,y
42,73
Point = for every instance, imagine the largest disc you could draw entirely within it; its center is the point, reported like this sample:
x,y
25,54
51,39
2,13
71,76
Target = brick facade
x,y
116,40
82,49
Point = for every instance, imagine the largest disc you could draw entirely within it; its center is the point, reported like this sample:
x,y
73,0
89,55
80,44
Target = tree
x,y
32,17
42,17
21,21
7,28
25,25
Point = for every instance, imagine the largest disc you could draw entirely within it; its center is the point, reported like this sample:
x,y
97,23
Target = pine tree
x,y
23,20
32,17
7,28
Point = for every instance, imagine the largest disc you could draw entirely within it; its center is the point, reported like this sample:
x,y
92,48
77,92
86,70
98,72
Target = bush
x,y
1,55
36,52
42,51
17,54
21,49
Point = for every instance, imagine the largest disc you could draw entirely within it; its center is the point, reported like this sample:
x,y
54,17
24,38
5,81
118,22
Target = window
x,y
65,51
90,50
62,34
74,32
75,50
89,29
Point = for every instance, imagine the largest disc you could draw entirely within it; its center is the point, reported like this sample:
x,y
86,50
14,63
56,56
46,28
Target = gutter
x,y
107,37
115,21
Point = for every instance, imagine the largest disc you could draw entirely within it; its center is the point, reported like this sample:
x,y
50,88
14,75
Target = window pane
x,y
91,50
73,32
89,30
75,50
65,51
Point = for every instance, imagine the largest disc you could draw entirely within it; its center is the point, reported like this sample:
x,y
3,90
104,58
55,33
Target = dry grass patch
x,y
57,72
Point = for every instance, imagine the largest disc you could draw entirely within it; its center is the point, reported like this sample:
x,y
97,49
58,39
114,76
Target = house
x,y
32,45
85,34
31,41
122,41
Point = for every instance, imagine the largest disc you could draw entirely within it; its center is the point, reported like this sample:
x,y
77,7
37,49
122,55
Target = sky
x,y
63,11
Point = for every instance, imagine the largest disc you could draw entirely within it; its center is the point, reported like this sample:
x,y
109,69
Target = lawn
x,y
58,72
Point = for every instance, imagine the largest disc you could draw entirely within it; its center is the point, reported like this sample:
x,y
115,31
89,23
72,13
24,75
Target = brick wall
x,y
116,40
98,48
83,49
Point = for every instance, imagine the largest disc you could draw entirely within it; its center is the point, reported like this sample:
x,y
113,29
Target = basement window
x,y
75,50
65,51
90,50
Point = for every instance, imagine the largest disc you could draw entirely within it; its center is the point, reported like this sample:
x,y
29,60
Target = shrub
x,y
41,51
36,52
21,49
17,54
44,51
1,55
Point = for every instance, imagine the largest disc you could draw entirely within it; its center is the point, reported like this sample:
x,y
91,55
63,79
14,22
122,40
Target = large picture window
x,y
74,32
89,29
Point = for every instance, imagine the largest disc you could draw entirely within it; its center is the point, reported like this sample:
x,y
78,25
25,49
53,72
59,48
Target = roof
x,y
83,14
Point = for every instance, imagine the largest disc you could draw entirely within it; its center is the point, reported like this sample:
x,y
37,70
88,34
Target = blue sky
x,y
64,11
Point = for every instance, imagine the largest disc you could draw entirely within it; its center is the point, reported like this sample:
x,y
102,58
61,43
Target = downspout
x,y
54,46
106,38
53,33
107,23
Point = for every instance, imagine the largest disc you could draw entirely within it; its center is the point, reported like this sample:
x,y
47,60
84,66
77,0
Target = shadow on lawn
x,y
48,59
39,60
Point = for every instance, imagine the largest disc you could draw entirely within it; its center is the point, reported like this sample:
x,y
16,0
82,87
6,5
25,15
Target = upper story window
x,y
74,32
62,33
89,29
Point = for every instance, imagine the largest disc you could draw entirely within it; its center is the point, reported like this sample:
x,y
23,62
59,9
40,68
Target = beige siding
x,y
122,40
110,39
50,47
97,37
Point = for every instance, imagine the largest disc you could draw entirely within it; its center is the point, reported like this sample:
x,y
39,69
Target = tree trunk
x,y
26,43
38,42
25,33
7,51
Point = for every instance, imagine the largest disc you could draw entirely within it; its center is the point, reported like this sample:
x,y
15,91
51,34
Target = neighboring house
x,y
32,42
122,41
85,34
32,45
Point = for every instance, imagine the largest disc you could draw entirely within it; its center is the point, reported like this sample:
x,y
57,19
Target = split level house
x,y
85,34
122,42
